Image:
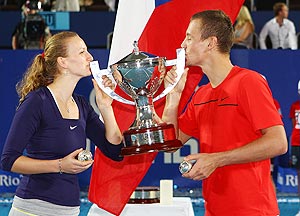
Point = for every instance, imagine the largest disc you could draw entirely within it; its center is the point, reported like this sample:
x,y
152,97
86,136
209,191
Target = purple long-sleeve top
x,y
39,128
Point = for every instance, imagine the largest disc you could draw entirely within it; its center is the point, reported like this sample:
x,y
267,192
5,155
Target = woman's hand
x,y
102,99
112,131
70,164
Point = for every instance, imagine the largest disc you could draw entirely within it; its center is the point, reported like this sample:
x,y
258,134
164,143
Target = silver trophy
x,y
140,75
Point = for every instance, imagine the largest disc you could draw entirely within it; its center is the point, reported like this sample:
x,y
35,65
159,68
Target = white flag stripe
x,y
129,25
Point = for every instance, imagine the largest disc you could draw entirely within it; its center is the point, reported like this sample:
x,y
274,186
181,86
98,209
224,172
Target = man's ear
x,y
61,61
213,41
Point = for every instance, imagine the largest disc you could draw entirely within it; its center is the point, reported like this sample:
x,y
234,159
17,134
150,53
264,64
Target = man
x,y
235,120
281,31
295,137
32,32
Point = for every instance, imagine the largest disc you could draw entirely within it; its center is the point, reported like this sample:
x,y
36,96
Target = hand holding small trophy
x,y
85,155
186,166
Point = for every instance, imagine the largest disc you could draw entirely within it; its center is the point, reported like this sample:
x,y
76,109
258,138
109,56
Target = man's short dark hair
x,y
216,23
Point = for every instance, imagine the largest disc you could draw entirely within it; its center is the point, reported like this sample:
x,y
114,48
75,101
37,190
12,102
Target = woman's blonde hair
x,y
244,16
43,68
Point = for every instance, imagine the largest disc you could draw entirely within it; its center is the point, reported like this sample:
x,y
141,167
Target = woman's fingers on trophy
x,y
117,76
98,90
107,82
114,67
102,98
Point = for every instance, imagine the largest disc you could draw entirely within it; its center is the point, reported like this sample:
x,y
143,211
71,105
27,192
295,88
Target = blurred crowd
x,y
277,33
62,5
31,32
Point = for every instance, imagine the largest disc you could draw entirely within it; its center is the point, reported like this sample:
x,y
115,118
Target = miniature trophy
x,y
140,75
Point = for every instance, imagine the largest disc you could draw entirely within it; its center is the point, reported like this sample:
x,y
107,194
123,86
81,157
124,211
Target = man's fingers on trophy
x,y
171,75
186,70
161,66
168,80
185,73
174,72
174,68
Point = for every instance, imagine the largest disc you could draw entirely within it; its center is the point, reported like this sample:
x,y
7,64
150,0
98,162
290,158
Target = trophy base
x,y
145,195
153,139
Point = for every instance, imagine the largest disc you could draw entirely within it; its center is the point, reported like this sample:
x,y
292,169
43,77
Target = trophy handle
x,y
97,74
180,64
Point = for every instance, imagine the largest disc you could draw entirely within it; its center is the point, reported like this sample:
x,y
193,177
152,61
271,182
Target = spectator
x,y
280,29
67,5
243,30
295,136
32,32
112,4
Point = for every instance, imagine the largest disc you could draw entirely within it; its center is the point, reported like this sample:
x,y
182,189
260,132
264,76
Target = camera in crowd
x,y
34,27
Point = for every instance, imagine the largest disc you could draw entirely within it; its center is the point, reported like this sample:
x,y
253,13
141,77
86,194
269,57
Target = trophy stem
x,y
146,116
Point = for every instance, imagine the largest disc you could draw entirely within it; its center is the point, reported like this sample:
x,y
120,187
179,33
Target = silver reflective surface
x,y
85,156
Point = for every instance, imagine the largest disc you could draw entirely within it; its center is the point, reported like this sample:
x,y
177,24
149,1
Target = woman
x,y
243,30
51,123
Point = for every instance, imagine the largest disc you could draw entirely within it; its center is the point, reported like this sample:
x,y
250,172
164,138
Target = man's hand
x,y
170,79
204,166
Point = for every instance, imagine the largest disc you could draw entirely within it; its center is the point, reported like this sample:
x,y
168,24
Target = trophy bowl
x,y
140,75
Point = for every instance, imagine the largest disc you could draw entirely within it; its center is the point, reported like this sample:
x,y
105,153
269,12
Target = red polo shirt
x,y
227,117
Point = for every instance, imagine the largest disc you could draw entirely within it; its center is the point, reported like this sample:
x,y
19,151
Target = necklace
x,y
67,107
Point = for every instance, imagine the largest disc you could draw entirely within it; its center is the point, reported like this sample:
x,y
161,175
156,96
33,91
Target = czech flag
x,y
159,26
